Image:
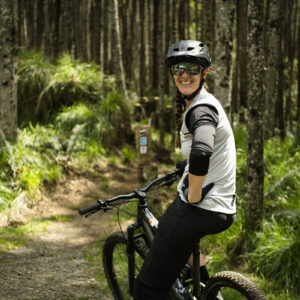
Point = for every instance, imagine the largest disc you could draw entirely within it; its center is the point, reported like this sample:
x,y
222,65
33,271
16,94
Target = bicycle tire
x,y
232,286
115,263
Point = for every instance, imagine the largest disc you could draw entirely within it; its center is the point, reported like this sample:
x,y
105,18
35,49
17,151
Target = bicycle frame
x,y
149,223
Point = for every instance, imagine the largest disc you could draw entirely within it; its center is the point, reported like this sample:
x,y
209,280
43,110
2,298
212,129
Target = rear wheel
x,y
115,263
233,286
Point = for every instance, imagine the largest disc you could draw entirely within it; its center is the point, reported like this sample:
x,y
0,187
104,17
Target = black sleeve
x,y
201,122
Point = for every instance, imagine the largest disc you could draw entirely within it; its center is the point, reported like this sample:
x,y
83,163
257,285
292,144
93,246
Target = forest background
x,y
76,76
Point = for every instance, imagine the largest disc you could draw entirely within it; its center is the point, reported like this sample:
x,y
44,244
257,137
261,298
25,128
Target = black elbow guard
x,y
198,165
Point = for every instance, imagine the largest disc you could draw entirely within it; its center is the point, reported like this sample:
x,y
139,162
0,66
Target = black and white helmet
x,y
188,51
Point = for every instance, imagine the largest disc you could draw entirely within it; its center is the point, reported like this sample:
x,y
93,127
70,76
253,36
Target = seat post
x,y
196,269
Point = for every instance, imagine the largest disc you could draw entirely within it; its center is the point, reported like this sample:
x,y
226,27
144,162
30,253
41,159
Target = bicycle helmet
x,y
188,51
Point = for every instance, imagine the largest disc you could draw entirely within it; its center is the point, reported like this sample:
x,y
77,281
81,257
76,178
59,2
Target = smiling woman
x,y
205,203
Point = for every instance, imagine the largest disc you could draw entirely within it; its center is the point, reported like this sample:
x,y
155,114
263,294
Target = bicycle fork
x,y
196,270
131,256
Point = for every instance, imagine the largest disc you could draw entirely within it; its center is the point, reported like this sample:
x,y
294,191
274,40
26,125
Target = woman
x,y
205,203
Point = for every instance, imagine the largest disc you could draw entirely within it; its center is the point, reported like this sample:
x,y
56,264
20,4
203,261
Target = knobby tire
x,y
115,263
232,286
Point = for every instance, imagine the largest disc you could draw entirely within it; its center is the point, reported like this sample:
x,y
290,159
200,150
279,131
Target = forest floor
x,y
63,261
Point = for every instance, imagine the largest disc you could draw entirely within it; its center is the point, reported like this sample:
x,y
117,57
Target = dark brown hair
x,y
180,107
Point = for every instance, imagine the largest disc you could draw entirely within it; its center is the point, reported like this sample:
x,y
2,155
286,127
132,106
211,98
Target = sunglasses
x,y
191,69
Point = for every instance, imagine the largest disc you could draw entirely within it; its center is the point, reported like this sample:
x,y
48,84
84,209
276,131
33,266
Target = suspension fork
x,y
196,270
131,255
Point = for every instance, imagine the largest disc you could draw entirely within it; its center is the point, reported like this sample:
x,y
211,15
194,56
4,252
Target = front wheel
x,y
115,263
231,285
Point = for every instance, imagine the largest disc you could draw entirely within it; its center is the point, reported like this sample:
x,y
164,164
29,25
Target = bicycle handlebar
x,y
168,178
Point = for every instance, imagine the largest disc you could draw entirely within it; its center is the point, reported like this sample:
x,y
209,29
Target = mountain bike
x,y
124,252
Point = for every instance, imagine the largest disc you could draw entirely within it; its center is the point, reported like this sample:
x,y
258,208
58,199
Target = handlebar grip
x,y
90,208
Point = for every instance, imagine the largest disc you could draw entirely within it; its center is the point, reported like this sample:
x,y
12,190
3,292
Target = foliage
x,y
44,85
277,252
282,174
89,117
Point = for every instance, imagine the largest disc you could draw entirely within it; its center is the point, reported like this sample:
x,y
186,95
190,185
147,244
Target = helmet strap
x,y
193,95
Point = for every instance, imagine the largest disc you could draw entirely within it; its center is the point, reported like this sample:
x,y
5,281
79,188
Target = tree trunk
x,y
117,49
279,109
243,57
255,149
298,96
39,25
291,25
273,34
181,20
96,33
142,49
207,33
8,78
197,20
29,23
174,28
156,39
105,37
223,49
161,71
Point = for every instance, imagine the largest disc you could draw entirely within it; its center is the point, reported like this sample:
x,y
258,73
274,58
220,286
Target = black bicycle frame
x,y
149,223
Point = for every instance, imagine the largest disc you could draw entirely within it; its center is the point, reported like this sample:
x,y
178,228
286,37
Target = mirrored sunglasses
x,y
191,69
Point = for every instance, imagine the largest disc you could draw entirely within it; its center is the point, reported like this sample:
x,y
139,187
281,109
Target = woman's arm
x,y
195,188
201,122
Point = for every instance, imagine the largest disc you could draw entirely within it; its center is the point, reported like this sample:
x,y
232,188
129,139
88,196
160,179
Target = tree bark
x,y
117,48
279,109
155,56
161,71
142,49
8,78
223,49
243,58
298,96
273,34
181,20
255,149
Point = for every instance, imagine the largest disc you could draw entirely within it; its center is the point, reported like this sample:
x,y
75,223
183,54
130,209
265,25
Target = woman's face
x,y
187,84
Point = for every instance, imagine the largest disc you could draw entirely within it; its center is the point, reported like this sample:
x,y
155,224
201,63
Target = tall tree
x,y
223,49
156,38
255,166
298,95
208,32
279,107
8,59
142,49
242,64
117,48
105,36
182,20
273,34
161,71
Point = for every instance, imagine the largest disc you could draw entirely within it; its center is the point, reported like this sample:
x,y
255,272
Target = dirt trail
x,y
55,264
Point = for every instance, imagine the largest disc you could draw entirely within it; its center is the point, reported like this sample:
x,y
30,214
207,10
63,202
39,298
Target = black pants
x,y
179,228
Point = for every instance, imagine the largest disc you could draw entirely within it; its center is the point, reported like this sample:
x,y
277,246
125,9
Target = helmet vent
x,y
176,49
201,45
190,48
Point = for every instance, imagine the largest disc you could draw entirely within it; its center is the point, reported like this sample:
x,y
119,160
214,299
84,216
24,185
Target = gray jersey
x,y
222,165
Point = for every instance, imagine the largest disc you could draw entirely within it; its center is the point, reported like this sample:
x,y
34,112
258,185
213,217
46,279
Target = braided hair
x,y
180,107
